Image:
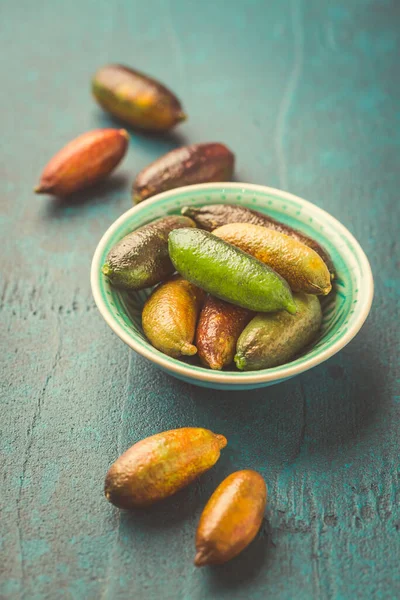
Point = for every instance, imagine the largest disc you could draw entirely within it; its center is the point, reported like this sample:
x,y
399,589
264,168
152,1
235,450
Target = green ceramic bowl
x,y
344,310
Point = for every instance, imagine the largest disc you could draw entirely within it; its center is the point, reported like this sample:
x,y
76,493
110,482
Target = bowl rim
x,y
184,370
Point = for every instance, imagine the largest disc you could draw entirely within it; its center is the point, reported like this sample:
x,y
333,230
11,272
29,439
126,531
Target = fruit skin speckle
x,y
300,265
141,258
86,160
170,314
231,519
197,163
218,329
228,273
273,339
160,465
136,99
211,216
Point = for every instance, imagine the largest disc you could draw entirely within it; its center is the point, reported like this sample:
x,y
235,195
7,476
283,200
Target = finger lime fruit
x,y
169,317
274,339
136,98
141,258
231,519
215,215
161,465
228,273
218,330
302,267
187,165
86,160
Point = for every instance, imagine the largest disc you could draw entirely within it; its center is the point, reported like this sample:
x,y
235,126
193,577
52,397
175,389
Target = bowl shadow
x,y
324,410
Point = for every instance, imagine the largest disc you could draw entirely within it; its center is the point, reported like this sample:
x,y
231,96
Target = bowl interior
x,y
340,308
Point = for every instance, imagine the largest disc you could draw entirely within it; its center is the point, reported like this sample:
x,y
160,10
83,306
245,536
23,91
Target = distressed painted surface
x,y
307,94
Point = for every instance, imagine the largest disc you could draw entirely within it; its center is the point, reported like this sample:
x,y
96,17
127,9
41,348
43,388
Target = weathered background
x,y
307,94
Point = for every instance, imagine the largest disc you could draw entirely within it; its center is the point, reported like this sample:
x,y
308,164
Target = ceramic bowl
x,y
344,310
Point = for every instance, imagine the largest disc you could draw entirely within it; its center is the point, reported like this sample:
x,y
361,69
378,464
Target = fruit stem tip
x,y
124,133
215,365
188,349
200,560
327,290
106,270
222,441
291,308
240,362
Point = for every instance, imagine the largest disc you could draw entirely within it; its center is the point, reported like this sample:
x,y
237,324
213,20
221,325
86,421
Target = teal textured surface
x,y
306,92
